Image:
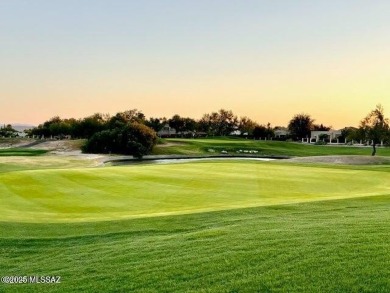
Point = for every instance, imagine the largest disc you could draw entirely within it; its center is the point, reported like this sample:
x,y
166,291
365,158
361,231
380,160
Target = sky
x,y
267,60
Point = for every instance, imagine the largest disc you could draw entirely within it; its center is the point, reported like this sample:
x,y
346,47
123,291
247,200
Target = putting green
x,y
92,194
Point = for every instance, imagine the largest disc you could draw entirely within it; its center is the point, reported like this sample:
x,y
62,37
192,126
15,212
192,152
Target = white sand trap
x,y
344,160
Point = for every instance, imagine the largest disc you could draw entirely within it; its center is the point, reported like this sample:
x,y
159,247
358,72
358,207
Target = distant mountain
x,y
19,126
22,127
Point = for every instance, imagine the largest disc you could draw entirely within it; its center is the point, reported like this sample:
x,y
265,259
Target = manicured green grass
x,y
329,246
151,190
277,148
21,152
206,226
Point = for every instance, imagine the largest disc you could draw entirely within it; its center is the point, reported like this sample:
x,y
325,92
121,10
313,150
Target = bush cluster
x,y
133,139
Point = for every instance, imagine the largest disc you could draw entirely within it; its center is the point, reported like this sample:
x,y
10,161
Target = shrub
x,y
131,139
320,142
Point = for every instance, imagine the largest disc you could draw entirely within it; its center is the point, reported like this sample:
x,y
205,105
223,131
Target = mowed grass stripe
x,y
21,152
150,190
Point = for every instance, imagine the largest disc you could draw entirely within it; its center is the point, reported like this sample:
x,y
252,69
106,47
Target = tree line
x,y
220,123
130,132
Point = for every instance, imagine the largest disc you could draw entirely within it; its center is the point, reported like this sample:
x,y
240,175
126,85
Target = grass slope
x,y
201,146
93,194
329,246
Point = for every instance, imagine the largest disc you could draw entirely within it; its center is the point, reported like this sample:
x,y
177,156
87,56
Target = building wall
x,y
333,134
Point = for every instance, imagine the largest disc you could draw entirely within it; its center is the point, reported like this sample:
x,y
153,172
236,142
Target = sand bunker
x,y
343,160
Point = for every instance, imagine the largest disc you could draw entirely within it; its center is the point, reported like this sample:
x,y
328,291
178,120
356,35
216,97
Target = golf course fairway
x,y
202,226
112,193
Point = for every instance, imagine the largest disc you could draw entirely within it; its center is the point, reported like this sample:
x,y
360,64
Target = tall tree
x,y
156,123
91,124
300,126
122,118
227,122
205,125
220,123
262,131
190,124
178,123
132,115
321,127
348,133
246,125
375,127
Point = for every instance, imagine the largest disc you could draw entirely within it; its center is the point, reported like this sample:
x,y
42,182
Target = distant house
x,y
21,134
331,135
166,131
237,132
201,134
281,132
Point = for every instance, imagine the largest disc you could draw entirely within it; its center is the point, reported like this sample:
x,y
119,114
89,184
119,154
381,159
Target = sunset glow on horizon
x,y
267,60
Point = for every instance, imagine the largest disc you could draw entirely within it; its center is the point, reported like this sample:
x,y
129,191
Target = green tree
x,y
352,134
227,122
156,123
246,125
220,123
207,123
177,123
321,127
300,126
134,139
138,139
346,133
91,125
120,119
8,131
375,127
263,131
190,124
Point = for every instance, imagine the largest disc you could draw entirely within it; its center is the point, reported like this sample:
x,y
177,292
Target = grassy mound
x,y
69,195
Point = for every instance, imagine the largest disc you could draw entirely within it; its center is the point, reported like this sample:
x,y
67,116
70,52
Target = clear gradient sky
x,y
264,59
